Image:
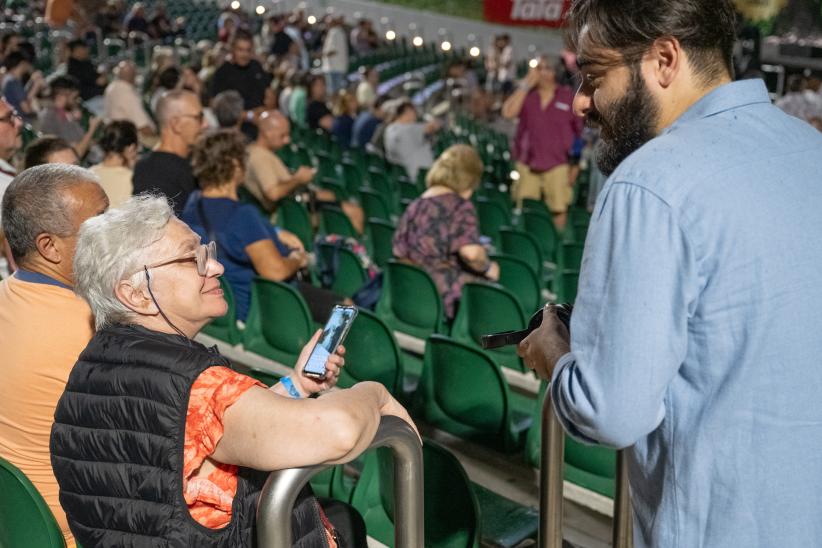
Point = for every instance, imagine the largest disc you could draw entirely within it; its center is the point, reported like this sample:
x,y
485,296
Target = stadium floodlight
x,y
235,5
390,35
446,45
474,51
533,63
417,41
311,20
260,10
515,175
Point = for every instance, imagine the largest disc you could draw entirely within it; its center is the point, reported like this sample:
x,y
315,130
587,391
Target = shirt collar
x,y
38,278
726,97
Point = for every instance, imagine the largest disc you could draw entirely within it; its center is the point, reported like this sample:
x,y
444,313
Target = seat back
x,y
372,354
540,225
350,275
334,221
293,216
492,217
463,392
523,246
25,518
374,205
452,511
225,328
517,277
410,301
382,241
485,308
279,323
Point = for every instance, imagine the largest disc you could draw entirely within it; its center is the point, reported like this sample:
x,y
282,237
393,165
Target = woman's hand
x,y
493,271
309,385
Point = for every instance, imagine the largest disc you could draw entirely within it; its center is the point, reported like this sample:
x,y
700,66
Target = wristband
x,y
290,388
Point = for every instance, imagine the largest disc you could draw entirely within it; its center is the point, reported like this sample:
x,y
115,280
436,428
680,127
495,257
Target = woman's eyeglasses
x,y
201,256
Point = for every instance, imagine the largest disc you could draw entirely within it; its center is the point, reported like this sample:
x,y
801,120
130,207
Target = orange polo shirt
x,y
43,329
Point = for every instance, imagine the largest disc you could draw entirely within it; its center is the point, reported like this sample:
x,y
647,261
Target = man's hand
x,y
290,239
309,385
542,349
304,174
300,256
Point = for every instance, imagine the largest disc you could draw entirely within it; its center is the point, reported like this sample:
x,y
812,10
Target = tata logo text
x,y
537,10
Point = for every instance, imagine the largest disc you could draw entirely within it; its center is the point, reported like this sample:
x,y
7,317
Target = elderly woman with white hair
x,y
156,440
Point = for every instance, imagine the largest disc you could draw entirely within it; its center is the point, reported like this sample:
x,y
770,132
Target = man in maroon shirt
x,y
545,134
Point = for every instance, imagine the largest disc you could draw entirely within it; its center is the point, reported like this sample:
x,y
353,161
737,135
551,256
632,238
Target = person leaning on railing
x,y
155,437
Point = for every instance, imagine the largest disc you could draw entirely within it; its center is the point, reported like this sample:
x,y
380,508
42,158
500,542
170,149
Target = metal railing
x,y
551,462
282,487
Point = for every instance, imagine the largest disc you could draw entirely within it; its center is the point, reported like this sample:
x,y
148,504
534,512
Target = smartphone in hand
x,y
334,332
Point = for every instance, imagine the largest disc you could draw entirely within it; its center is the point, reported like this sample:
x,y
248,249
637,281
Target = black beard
x,y
626,125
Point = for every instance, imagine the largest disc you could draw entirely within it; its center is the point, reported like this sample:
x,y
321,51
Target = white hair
x,y
111,247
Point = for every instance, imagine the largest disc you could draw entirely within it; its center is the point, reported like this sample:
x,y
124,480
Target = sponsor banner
x,y
547,13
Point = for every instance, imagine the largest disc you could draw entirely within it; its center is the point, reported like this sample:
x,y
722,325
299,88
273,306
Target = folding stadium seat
x,y
488,308
381,183
463,392
334,185
523,246
381,236
293,216
448,492
350,274
410,302
225,328
278,324
372,354
539,224
25,518
334,221
353,176
566,277
374,205
588,466
492,217
518,278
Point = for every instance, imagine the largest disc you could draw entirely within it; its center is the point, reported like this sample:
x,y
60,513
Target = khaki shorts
x,y
551,186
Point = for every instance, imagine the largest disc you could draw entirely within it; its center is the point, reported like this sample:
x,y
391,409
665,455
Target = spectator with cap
x,y
546,132
120,145
49,150
167,169
43,325
122,100
92,83
60,117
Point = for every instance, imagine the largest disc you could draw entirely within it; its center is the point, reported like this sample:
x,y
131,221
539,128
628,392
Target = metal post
x,y
282,487
552,459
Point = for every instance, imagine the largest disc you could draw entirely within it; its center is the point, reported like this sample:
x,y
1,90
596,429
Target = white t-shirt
x,y
408,146
335,41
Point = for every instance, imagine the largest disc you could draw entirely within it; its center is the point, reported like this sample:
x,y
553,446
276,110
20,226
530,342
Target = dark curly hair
x,y
216,155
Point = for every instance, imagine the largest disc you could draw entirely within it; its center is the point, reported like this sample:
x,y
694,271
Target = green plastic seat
x,y
25,518
452,512
540,225
492,217
566,278
334,221
517,277
525,247
350,275
410,302
486,308
374,205
589,466
279,323
293,216
535,205
463,391
372,354
381,240
225,328
335,186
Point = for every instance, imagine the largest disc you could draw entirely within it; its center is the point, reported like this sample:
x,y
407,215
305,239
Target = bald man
x,y
122,101
268,178
166,169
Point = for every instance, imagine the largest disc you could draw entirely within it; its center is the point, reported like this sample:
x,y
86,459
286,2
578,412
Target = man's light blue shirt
x,y
696,336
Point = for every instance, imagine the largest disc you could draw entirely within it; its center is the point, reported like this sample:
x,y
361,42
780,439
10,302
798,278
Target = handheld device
x,y
505,338
332,336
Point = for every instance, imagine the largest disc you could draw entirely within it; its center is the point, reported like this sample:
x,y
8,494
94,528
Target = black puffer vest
x,y
117,448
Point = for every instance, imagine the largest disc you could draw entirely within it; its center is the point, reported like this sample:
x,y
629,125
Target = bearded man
x,y
695,339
